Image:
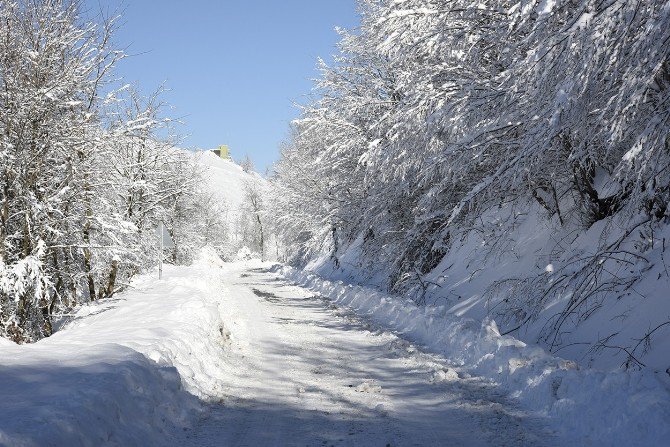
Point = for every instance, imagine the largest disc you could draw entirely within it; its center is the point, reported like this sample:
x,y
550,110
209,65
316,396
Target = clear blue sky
x,y
233,67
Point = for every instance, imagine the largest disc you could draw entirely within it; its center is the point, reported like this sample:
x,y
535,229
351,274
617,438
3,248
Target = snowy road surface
x,y
303,372
220,354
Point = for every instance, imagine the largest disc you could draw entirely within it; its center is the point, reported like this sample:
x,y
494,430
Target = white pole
x,y
160,250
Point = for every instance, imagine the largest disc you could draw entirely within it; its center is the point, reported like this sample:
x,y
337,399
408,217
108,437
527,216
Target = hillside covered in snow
x,y
465,240
241,199
507,160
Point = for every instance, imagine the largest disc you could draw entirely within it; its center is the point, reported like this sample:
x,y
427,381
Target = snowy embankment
x,y
125,369
589,406
226,180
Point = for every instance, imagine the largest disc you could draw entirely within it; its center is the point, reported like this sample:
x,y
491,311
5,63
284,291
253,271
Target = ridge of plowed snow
x,y
123,371
601,408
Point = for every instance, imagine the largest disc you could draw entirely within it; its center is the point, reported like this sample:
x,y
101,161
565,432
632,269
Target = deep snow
x,y
125,371
585,406
237,354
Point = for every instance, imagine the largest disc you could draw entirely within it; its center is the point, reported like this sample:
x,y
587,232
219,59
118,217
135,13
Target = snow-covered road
x,y
234,354
304,372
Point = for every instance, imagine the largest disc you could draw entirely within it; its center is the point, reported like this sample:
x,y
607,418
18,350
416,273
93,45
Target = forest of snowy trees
x,y
84,180
439,125
471,212
442,120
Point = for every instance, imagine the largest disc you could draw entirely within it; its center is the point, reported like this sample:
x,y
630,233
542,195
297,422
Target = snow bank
x,y
478,276
540,253
124,371
588,406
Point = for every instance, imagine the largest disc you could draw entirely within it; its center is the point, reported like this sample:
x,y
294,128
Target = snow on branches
x,y
83,179
440,118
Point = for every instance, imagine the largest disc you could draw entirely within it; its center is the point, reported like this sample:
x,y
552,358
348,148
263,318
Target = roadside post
x,y
164,241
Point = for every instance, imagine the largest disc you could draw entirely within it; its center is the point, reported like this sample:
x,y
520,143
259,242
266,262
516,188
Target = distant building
x,y
222,151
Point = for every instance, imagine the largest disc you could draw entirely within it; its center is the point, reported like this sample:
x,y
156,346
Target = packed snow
x,y
248,354
305,372
585,406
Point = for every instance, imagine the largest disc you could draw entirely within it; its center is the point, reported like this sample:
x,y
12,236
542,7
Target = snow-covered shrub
x,y
444,119
83,178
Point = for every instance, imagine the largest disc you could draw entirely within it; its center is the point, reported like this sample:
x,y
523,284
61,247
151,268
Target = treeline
x,y
84,180
440,118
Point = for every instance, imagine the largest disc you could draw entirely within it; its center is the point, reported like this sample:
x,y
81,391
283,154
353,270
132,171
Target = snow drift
x,y
128,368
587,406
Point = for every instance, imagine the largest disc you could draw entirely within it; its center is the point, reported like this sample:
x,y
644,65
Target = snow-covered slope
x,y
226,179
602,332
509,277
240,198
585,406
121,372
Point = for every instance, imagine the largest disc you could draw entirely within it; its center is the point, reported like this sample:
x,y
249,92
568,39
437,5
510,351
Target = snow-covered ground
x,y
584,406
621,317
239,354
265,362
123,372
304,372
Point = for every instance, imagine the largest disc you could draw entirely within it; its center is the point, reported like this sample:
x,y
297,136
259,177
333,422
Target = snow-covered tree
x,y
84,179
52,69
253,224
442,118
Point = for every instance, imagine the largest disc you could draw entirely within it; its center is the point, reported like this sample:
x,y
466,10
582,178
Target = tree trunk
x,y
262,236
111,281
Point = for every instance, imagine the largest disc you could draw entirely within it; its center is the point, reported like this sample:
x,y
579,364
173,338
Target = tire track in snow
x,y
304,372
